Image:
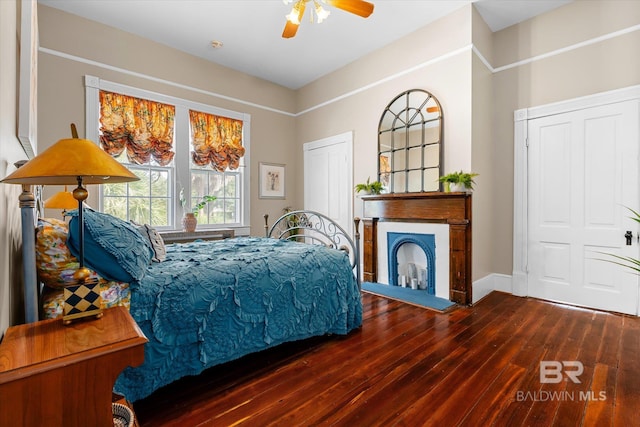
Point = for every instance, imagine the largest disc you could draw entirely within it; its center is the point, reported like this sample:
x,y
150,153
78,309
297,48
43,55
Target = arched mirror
x,y
410,146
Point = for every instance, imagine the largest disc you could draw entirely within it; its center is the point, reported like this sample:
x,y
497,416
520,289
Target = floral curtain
x,y
216,141
144,128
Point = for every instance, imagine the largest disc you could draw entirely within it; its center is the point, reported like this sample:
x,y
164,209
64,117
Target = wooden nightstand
x,y
57,375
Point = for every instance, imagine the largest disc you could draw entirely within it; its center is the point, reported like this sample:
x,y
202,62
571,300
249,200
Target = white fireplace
x,y
414,254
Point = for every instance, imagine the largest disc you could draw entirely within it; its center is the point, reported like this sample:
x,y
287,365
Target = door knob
x,y
628,235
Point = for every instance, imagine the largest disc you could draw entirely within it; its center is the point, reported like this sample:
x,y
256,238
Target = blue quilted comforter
x,y
212,302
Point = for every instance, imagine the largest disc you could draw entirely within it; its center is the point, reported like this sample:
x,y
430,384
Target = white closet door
x,y
328,182
583,172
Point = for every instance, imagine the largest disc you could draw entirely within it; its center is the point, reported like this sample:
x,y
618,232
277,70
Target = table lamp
x,y
61,200
67,162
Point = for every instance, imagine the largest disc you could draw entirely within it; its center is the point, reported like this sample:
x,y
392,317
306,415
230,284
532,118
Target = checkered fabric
x,y
81,298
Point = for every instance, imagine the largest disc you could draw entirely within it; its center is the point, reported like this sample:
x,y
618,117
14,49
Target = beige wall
x,y
437,58
483,158
11,310
130,60
595,67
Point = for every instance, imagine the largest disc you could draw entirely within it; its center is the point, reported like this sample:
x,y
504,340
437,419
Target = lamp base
x,y
82,300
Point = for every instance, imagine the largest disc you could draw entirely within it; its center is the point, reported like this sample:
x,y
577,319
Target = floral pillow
x,y
54,263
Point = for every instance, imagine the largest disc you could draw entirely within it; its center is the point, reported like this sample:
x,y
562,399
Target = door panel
x,y
582,173
328,183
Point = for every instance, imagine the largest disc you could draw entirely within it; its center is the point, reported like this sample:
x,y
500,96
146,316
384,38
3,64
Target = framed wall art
x,y
272,185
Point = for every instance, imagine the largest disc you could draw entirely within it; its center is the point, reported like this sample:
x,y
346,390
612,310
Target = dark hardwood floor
x,y
408,366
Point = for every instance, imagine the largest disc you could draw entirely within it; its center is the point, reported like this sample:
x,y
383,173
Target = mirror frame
x,y
400,116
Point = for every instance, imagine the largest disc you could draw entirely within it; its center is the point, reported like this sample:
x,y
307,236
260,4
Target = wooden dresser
x,y
57,375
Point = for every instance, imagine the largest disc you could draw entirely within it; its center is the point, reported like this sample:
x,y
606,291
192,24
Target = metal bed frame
x,y
312,227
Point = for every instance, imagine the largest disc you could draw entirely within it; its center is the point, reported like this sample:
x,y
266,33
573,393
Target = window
x,y
139,134
216,151
180,150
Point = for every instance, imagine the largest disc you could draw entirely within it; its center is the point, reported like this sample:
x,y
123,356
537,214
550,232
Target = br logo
x,y
553,372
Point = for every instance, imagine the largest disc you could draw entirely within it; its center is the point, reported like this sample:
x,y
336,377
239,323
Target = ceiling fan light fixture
x,y
361,8
321,13
295,15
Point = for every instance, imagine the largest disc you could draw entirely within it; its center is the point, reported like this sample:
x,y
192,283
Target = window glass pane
x,y
140,188
139,210
216,212
198,185
116,206
159,212
216,184
114,189
159,183
230,188
230,211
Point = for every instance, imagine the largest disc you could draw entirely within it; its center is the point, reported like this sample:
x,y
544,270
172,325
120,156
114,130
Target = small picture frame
x,y
272,181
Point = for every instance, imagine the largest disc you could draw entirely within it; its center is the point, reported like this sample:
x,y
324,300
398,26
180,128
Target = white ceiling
x,y
250,30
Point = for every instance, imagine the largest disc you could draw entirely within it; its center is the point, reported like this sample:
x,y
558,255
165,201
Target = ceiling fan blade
x,y
358,7
290,29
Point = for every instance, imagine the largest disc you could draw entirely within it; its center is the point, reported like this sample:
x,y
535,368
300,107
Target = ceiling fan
x,y
357,7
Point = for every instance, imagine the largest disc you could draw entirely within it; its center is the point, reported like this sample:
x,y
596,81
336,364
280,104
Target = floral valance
x,y
215,141
144,128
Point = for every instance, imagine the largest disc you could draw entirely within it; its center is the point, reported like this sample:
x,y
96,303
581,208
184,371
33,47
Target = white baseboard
x,y
492,282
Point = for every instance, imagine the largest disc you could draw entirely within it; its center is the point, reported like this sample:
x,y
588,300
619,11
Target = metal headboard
x,y
315,228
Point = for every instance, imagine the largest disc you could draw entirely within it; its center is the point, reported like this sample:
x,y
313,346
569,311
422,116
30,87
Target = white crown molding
x,y
158,80
361,89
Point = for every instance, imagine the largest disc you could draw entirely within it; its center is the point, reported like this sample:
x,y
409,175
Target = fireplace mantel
x,y
448,208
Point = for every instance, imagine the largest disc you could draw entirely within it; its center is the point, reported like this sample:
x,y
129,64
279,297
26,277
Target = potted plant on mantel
x,y
458,181
368,187
190,219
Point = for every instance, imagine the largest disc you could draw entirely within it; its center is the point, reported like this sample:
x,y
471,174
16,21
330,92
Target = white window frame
x,y
182,177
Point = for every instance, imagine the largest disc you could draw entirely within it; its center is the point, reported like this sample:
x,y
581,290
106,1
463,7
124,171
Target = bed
x,y
209,302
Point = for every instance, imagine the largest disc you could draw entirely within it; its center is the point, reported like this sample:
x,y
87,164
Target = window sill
x,y
183,236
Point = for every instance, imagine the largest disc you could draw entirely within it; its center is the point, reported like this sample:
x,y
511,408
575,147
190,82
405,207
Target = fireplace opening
x,y
412,260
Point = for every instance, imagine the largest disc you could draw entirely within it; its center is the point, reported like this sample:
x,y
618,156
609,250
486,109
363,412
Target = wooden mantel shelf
x,y
449,208
51,374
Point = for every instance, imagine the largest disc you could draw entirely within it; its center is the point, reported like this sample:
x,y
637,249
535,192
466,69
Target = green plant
x,y
464,178
201,204
374,187
626,261
198,206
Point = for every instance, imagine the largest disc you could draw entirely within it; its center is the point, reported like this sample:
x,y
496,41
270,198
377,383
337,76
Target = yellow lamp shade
x,y
68,159
61,200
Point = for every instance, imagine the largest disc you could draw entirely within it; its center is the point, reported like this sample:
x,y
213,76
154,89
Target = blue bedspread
x,y
212,302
